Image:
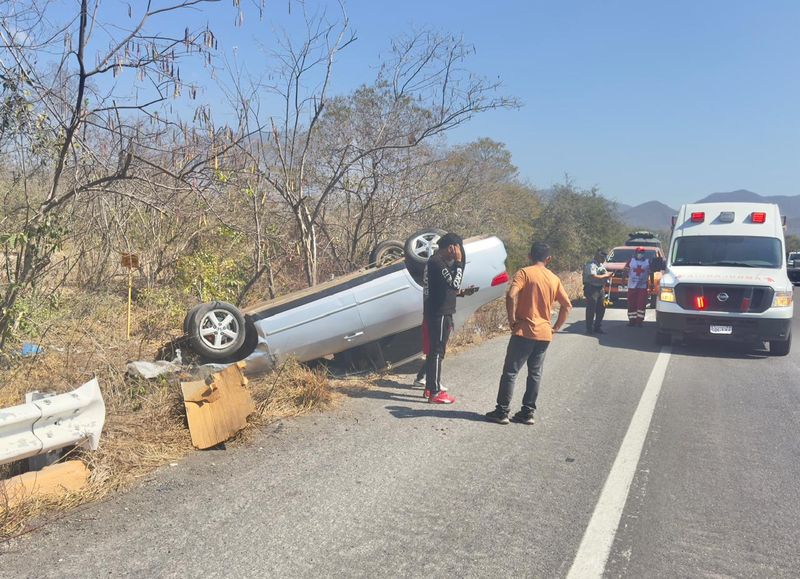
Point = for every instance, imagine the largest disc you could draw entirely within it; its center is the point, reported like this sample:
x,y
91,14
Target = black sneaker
x,y
497,416
523,417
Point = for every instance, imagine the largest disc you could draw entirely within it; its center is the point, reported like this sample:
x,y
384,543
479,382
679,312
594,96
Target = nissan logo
x,y
722,297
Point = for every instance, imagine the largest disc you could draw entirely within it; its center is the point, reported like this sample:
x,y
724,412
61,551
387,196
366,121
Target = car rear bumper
x,y
750,329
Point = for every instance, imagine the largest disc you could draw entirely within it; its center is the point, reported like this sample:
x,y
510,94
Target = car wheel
x,y
217,331
187,321
419,248
780,347
663,338
386,252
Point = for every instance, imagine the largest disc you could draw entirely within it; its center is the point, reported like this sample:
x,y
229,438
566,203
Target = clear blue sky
x,y
668,100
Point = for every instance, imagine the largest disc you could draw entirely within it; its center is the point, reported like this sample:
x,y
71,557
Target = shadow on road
x,y
619,335
728,350
436,412
399,392
410,395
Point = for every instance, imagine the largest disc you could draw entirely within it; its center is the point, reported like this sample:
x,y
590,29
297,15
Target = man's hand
x,y
455,252
467,291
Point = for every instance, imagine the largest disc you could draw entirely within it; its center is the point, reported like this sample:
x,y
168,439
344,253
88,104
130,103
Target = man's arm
x,y
564,307
511,305
594,275
453,278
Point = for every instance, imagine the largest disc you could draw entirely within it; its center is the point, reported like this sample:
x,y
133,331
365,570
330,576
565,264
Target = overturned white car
x,y
373,314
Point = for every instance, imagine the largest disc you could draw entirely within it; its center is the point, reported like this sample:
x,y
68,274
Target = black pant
x,y
595,306
520,351
439,328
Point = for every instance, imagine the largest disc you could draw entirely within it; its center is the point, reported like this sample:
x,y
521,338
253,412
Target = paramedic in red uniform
x,y
639,275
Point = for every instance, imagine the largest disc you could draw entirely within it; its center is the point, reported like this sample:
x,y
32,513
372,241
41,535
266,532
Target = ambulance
x,y
725,276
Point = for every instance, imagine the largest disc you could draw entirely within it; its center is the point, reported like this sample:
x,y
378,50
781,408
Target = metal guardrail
x,y
52,422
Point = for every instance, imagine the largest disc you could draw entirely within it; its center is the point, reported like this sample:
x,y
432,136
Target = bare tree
x,y
421,92
85,112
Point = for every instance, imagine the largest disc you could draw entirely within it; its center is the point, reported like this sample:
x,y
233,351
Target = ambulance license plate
x,y
722,330
622,289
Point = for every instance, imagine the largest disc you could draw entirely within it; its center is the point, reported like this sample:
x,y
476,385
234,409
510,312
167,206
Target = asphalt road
x,y
388,485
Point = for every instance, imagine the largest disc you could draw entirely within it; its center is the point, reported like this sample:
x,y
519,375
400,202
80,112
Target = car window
x,y
623,254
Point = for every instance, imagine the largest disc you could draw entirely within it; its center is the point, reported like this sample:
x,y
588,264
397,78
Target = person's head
x,y
639,253
600,256
540,253
447,244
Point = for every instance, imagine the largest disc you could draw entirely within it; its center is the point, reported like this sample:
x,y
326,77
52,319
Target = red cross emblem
x,y
639,270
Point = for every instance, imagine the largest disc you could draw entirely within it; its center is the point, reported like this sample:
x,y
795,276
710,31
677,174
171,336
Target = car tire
x,y
780,347
663,338
386,252
420,247
187,321
217,331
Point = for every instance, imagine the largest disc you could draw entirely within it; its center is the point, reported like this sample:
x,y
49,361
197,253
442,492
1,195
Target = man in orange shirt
x,y
529,304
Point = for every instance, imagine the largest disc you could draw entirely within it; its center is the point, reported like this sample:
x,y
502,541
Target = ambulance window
x,y
727,251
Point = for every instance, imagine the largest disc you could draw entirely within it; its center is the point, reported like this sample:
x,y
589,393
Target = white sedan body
x,y
364,307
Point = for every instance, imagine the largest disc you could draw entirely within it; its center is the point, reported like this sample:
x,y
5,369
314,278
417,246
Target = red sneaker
x,y
427,393
441,398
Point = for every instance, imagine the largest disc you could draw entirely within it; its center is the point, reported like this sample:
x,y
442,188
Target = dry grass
x,y
573,283
145,420
136,442
488,321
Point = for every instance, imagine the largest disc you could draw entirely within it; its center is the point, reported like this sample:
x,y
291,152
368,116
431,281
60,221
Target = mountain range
x,y
655,215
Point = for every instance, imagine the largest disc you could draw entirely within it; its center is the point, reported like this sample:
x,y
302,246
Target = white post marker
x,y
595,547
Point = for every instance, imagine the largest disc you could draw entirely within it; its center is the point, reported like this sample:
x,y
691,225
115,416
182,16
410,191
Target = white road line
x,y
595,547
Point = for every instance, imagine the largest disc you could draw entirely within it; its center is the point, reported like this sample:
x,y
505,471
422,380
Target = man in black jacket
x,y
444,273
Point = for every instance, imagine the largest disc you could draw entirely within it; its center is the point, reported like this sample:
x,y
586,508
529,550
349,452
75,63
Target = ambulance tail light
x,y
758,217
698,217
500,279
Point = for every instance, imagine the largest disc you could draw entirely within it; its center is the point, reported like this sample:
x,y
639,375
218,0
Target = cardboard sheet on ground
x,y
51,481
217,408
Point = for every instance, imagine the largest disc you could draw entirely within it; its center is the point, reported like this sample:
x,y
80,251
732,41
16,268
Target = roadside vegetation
x,y
110,146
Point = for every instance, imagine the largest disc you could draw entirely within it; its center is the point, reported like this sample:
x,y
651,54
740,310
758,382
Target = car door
x,y
313,326
389,303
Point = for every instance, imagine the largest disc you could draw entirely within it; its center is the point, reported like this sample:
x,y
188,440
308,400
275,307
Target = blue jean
x,y
522,351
